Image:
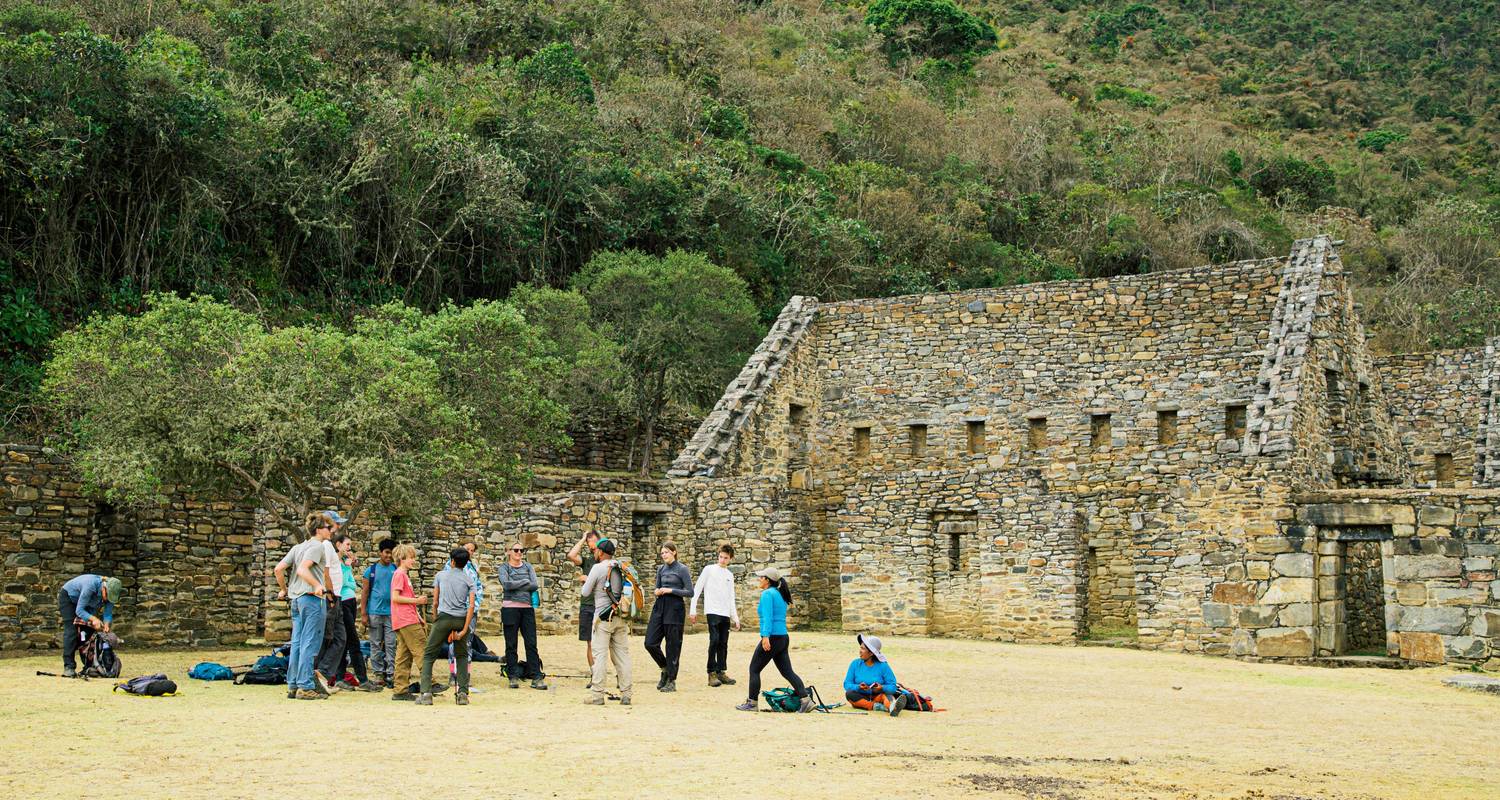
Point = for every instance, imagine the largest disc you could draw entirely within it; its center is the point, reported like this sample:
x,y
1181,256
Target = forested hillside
x,y
306,160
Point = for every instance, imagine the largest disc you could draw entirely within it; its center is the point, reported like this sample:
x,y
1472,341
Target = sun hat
x,y
112,589
333,514
872,643
771,574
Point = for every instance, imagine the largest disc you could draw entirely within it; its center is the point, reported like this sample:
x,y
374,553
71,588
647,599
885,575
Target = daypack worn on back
x,y
210,671
623,589
158,685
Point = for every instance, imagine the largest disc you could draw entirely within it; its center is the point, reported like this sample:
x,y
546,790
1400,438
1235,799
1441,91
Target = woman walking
x,y
673,583
518,579
775,596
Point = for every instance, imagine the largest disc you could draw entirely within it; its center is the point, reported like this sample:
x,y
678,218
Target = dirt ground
x,y
1055,723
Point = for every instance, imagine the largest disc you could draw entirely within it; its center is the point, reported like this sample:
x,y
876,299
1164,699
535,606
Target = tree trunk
x,y
648,434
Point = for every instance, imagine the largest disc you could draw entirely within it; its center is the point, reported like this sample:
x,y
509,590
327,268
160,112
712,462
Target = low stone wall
x,y
611,444
45,527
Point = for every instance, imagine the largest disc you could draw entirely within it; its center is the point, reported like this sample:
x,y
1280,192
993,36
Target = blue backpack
x,y
209,671
267,671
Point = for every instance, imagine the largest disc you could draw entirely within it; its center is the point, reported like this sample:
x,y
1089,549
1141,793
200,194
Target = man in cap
x,y
611,632
90,599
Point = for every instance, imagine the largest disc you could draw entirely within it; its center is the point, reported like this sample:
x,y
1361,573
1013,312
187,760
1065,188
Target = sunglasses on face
x,y
518,549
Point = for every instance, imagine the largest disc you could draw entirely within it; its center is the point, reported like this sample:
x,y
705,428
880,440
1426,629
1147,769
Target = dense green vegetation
x,y
306,161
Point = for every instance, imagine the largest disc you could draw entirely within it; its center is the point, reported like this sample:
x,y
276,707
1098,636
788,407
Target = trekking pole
x,y
50,674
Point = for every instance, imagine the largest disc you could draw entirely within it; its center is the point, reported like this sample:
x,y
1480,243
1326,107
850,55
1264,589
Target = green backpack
x,y
783,699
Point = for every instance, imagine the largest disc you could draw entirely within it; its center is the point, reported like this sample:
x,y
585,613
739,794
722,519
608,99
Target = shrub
x,y
933,28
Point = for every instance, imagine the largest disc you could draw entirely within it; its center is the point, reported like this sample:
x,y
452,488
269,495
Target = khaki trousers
x,y
612,637
411,640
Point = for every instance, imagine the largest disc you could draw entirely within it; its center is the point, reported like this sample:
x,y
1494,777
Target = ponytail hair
x,y
785,589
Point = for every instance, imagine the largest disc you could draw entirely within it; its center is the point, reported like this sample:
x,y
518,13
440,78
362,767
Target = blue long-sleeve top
x,y
879,676
772,611
87,593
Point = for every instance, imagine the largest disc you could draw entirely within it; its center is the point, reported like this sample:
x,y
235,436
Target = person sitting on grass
x,y
87,600
870,684
453,600
406,620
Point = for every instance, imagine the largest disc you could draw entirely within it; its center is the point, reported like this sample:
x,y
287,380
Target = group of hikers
x,y
317,578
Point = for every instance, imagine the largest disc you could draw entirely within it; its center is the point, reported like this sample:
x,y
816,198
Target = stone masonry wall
x,y
610,444
1439,552
1432,397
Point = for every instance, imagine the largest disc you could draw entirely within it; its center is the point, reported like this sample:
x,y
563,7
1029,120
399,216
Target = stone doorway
x,y
954,607
1354,582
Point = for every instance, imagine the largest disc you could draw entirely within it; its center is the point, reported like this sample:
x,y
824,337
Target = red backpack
x,y
916,701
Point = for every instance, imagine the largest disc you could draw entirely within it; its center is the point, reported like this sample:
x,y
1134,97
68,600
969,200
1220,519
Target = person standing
x,y
88,599
306,590
453,601
473,569
353,657
518,580
406,621
611,629
673,583
375,608
325,670
775,596
715,585
582,556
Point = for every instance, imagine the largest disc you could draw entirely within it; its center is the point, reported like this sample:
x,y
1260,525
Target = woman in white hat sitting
x,y
774,645
870,684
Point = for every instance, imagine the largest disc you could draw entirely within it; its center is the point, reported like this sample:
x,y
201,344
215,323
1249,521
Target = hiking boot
x,y
69,672
725,679
625,701
594,701
291,694
403,696
369,686
898,706
669,686
538,683
878,708
515,683
807,705
713,679
748,705
439,688
318,685
308,694
461,699
662,681
424,699
345,686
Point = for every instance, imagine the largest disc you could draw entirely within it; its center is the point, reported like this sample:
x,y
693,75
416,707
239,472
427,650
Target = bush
x,y
1379,139
1135,98
933,28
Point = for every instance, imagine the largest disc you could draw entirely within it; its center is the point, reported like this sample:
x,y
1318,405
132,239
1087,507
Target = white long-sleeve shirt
x,y
715,585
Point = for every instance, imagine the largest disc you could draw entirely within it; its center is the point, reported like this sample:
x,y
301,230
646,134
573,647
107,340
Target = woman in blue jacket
x,y
775,596
870,684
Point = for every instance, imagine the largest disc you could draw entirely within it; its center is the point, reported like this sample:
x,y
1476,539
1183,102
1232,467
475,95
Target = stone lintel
x,y
1335,514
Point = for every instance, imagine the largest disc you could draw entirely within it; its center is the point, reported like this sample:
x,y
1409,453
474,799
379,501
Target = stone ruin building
x,y
1207,460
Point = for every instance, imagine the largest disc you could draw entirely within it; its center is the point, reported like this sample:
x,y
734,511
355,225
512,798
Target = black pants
x,y
718,643
333,643
66,607
782,658
353,656
659,632
522,621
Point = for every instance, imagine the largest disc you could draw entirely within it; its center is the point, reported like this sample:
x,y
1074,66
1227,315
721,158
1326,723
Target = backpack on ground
x,y
96,651
158,685
915,701
266,671
210,671
783,699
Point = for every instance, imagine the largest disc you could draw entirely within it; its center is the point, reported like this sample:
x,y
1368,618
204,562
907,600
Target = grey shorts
x,y
585,623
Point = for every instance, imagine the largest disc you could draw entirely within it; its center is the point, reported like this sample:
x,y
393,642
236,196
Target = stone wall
x,y
45,539
1487,443
1432,397
611,444
1438,565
